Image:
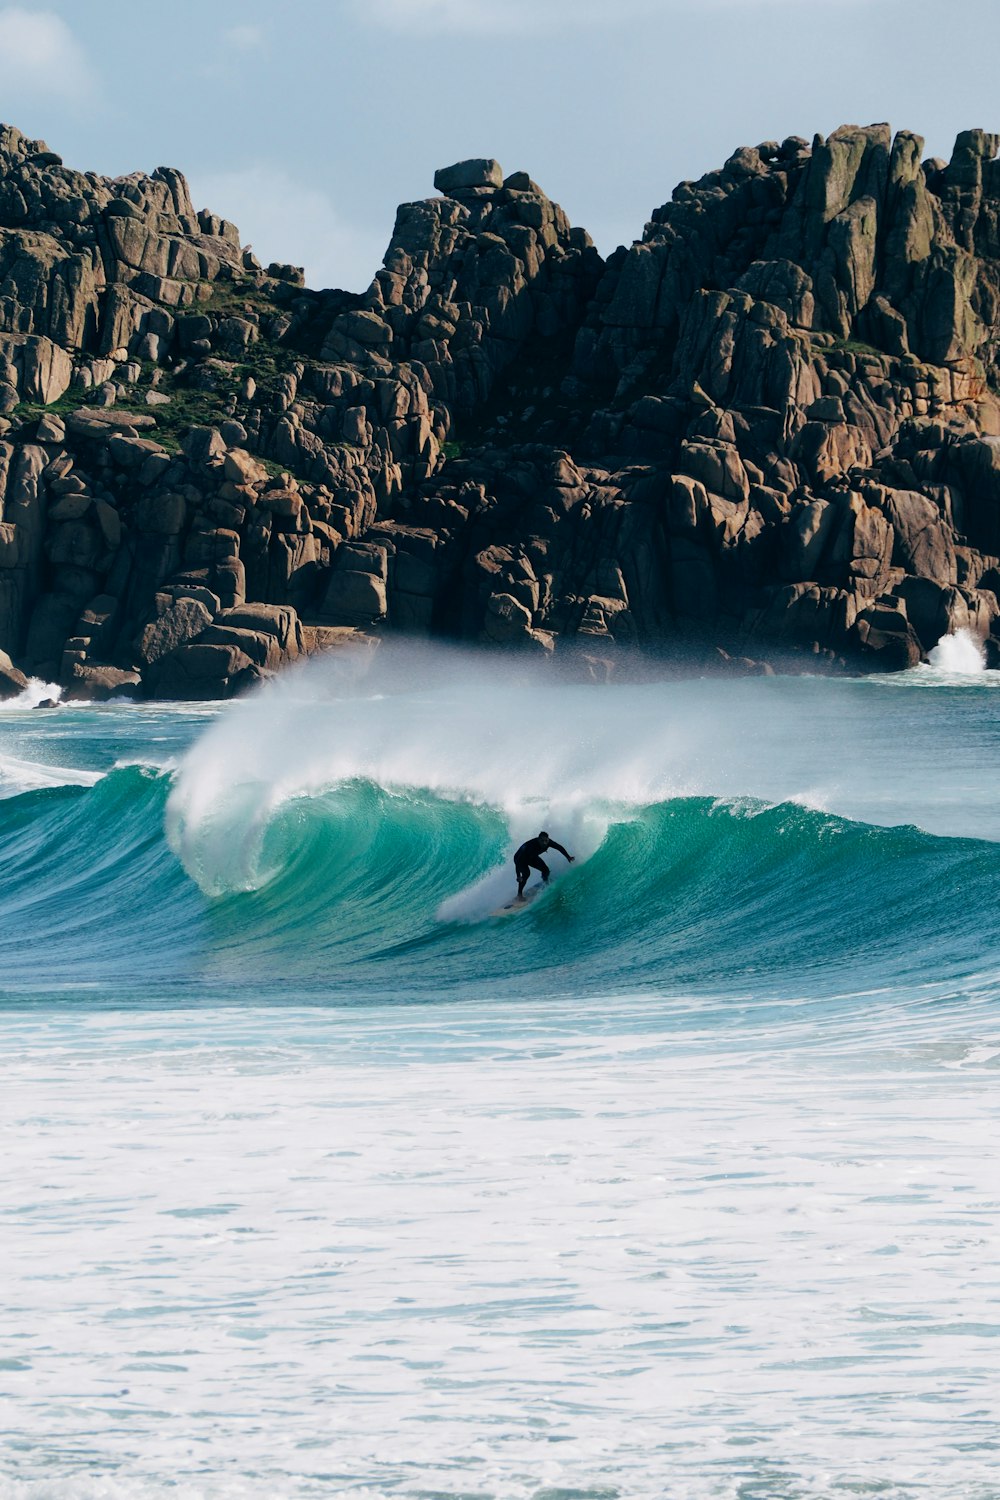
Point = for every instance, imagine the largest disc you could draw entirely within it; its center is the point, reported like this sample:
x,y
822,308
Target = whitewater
x,y
323,1174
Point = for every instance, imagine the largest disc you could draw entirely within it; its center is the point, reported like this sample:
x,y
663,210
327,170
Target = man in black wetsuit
x,y
529,857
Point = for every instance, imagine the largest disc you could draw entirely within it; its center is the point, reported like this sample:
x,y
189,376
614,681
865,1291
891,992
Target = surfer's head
x,y
544,838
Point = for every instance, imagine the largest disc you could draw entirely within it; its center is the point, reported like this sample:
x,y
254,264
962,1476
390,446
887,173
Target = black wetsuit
x,y
529,857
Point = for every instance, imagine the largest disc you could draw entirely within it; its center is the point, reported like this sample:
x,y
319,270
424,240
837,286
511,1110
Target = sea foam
x,y
960,654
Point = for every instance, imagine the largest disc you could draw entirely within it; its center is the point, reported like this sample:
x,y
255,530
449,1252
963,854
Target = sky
x,y
307,121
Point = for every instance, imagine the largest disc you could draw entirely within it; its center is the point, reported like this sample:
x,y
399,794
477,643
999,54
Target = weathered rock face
x,y
469,279
771,423
853,236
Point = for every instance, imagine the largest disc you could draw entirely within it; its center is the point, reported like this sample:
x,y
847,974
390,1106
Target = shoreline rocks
x,y
769,429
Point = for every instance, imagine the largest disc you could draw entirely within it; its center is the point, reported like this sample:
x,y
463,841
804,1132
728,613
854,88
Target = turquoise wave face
x,y
690,893
93,900
360,891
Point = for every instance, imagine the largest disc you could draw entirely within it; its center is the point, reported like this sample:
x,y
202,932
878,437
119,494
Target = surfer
x,y
529,857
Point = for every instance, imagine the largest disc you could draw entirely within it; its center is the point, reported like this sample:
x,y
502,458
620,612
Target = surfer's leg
x,y
522,872
541,865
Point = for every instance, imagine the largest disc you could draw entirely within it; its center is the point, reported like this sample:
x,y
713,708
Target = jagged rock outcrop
x,y
770,424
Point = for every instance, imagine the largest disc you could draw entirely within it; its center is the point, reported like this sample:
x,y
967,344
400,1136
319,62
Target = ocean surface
x,y
325,1174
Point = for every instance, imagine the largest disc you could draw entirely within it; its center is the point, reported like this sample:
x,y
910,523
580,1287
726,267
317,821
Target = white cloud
x,y
519,17
483,16
287,220
245,38
41,58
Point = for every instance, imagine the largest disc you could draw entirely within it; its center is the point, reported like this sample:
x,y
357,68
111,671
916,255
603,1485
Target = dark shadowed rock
x,y
97,682
179,622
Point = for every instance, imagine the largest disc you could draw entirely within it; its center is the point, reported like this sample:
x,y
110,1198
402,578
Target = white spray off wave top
x,y
434,719
535,743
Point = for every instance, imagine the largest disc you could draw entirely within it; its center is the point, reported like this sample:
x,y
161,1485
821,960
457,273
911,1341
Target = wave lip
x,y
19,776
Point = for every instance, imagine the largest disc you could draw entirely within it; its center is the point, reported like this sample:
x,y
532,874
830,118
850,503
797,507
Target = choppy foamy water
x,y
514,1260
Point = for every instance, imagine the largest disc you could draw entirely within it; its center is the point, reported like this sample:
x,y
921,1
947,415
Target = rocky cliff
x,y
770,424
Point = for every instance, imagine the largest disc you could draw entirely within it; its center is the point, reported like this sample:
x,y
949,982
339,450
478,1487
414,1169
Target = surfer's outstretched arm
x,y
564,852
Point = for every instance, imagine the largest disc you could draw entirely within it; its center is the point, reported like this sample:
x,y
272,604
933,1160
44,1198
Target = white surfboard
x,y
520,903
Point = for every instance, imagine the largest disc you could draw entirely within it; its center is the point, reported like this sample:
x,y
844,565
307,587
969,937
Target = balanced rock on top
x,y
478,172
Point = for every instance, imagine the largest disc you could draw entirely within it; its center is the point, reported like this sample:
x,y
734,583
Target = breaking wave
x,y
348,836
